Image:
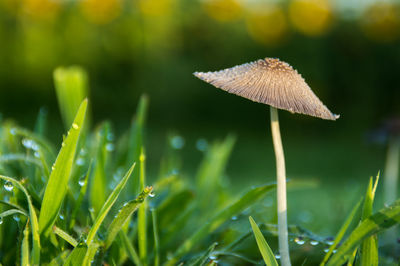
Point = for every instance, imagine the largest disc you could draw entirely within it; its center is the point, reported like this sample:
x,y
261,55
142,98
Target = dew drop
x,y
110,147
8,186
16,217
277,256
152,195
126,203
80,161
299,240
61,216
13,131
75,126
334,251
213,257
314,242
326,250
234,218
27,143
36,154
63,144
91,209
53,167
201,144
177,142
1,220
329,241
81,182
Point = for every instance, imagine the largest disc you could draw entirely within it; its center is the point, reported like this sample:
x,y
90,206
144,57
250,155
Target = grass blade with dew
x,y
156,238
342,231
381,220
124,215
209,177
98,184
25,246
35,259
265,250
135,142
142,212
64,235
82,192
107,206
71,85
369,247
202,260
212,224
57,184
12,212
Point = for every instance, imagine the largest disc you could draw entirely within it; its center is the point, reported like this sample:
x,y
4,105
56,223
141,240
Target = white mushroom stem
x,y
281,189
391,182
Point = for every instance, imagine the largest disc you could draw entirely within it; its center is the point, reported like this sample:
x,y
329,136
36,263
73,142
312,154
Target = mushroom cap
x,y
270,81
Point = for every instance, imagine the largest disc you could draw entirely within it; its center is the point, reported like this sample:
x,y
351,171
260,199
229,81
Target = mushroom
x,y
276,83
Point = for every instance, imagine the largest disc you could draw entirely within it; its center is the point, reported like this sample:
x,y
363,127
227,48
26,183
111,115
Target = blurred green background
x,y
347,50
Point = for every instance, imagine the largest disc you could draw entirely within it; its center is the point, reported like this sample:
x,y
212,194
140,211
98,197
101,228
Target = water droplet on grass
x,y
213,257
36,154
61,216
75,126
234,218
177,142
326,250
13,131
314,242
201,144
152,195
110,147
80,161
329,240
16,217
8,186
27,143
299,240
1,220
81,182
277,256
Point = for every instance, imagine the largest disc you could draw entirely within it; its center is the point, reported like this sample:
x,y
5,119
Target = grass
x,y
97,206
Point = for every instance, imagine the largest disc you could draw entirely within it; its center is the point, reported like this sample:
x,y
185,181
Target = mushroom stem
x,y
391,182
281,188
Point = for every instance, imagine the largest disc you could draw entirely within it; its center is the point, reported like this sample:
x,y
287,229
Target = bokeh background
x,y
347,50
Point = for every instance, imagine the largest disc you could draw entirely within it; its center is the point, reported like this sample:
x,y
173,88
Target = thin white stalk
x,y
281,189
391,183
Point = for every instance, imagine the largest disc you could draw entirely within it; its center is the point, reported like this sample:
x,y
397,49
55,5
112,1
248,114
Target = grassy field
x,y
146,198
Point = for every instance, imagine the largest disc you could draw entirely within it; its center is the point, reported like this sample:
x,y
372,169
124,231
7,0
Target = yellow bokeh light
x,y
223,10
381,22
101,12
267,24
310,17
156,7
40,9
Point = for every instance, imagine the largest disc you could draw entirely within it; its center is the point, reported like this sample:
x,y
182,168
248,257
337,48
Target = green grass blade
x,y
25,246
32,217
12,212
64,235
71,85
77,255
156,238
107,206
342,231
41,122
374,224
136,141
202,260
242,203
98,184
57,185
60,259
142,214
124,215
369,247
265,250
130,250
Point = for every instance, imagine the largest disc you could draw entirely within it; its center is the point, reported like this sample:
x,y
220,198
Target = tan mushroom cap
x,y
270,81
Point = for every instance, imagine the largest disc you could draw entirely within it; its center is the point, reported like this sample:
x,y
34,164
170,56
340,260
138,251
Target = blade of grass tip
x,y
383,219
33,219
156,238
64,235
57,184
136,141
25,246
41,122
71,84
342,231
241,204
124,215
107,206
202,260
130,250
81,196
142,214
265,250
369,247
